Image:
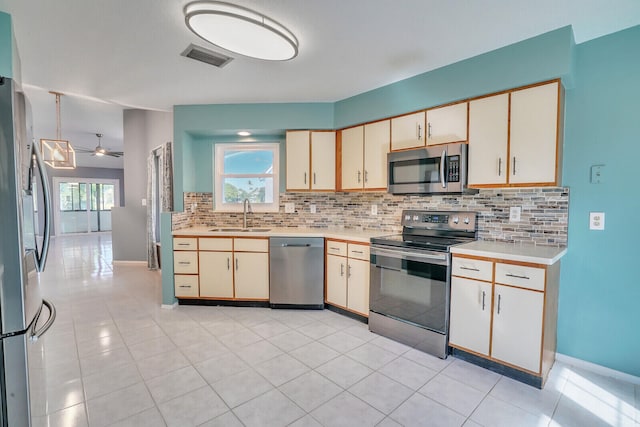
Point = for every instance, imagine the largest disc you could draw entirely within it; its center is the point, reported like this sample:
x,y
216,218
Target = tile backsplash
x,y
543,219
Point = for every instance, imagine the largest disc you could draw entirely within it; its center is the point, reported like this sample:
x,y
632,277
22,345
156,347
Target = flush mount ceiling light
x,y
240,30
244,133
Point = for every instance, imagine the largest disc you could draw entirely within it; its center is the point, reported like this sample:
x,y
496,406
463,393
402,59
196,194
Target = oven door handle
x,y
440,258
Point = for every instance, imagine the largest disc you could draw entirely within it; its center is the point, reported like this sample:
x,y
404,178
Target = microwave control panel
x,y
453,172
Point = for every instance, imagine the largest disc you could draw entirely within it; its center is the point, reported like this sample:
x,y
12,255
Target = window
x,y
73,196
247,171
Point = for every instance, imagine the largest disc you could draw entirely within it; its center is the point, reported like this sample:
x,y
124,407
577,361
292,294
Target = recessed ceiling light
x,y
244,133
240,30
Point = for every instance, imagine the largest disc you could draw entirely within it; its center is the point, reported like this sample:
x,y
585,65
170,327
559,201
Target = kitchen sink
x,y
243,230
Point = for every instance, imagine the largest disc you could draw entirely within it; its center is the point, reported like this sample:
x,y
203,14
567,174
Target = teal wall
x,y
6,45
600,292
195,123
545,57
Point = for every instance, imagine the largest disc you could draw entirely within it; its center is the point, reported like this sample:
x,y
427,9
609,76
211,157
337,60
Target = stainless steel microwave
x,y
429,170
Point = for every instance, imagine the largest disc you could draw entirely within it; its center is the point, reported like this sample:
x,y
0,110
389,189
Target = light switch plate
x,y
289,207
596,220
312,208
597,174
514,213
144,202
374,209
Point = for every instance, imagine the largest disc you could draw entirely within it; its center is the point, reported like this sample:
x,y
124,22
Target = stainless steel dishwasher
x,y
296,272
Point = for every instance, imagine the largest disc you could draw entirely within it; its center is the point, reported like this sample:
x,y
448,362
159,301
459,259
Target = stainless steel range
x,y
411,278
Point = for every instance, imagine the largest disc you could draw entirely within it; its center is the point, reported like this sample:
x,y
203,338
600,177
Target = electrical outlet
x,y
514,213
289,207
144,202
596,220
374,209
312,208
193,207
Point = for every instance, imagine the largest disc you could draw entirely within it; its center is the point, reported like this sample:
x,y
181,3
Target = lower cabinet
x,y
505,311
222,268
347,276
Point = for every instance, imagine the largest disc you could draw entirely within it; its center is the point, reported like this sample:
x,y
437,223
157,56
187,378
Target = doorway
x,y
83,205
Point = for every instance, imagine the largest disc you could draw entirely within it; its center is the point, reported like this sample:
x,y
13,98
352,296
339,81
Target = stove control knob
x,y
416,218
456,219
466,220
407,217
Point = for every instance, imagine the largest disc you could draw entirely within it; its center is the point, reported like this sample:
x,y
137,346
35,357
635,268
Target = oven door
x,y
411,286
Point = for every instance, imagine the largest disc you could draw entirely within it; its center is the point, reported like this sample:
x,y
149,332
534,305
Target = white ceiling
x,y
110,55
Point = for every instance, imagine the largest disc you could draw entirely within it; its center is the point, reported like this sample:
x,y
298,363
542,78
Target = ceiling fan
x,y
100,150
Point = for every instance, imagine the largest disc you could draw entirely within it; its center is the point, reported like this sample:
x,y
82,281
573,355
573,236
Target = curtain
x,y
159,197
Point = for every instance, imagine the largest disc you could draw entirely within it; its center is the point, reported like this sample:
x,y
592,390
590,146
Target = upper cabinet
x,y
488,140
447,124
408,131
364,156
514,138
311,160
533,135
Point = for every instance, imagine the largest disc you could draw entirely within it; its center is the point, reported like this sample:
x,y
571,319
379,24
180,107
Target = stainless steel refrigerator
x,y
22,255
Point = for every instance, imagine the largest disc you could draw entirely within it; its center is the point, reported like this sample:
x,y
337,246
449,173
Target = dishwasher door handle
x,y
289,245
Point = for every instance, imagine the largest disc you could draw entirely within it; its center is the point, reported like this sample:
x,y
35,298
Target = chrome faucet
x,y
246,206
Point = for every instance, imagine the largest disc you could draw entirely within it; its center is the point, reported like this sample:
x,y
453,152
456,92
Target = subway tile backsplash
x,y
543,220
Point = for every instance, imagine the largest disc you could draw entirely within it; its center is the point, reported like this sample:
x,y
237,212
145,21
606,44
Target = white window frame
x,y
219,174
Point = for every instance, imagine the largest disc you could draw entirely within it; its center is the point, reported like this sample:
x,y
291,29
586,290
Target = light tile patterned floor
x,y
114,357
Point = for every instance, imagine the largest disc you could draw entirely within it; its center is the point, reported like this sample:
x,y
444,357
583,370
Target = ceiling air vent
x,y
207,56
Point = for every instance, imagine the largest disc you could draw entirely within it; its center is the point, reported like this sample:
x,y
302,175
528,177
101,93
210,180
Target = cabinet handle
x,y
358,177
357,252
236,264
341,270
314,178
184,262
499,300
468,268
184,244
305,177
429,130
499,166
228,263
483,295
366,176
514,165
333,248
184,286
419,132
349,271
517,277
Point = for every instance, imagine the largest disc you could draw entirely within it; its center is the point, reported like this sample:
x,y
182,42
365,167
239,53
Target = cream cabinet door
x,y
298,151
470,314
488,139
323,161
377,139
447,124
337,280
517,327
407,131
534,135
358,286
251,275
185,262
352,158
216,274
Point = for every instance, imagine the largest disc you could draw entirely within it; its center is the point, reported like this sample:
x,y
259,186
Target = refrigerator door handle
x,y
41,256
36,334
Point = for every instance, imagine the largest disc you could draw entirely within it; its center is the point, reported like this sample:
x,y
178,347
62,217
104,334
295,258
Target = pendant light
x,y
240,30
58,153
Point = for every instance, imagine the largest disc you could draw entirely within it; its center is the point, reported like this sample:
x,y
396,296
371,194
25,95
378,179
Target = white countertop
x,y
546,255
330,233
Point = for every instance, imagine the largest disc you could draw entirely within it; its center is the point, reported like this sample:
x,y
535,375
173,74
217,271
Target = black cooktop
x,y
441,244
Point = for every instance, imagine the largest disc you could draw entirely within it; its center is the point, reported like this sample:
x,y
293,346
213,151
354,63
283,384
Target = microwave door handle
x,y
443,161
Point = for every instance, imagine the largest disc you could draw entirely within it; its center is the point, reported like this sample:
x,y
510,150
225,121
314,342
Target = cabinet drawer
x,y
185,244
185,262
520,275
186,286
358,251
336,248
472,268
251,245
215,244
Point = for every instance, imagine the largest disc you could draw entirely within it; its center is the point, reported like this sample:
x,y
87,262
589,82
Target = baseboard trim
x,y
597,369
169,306
129,262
